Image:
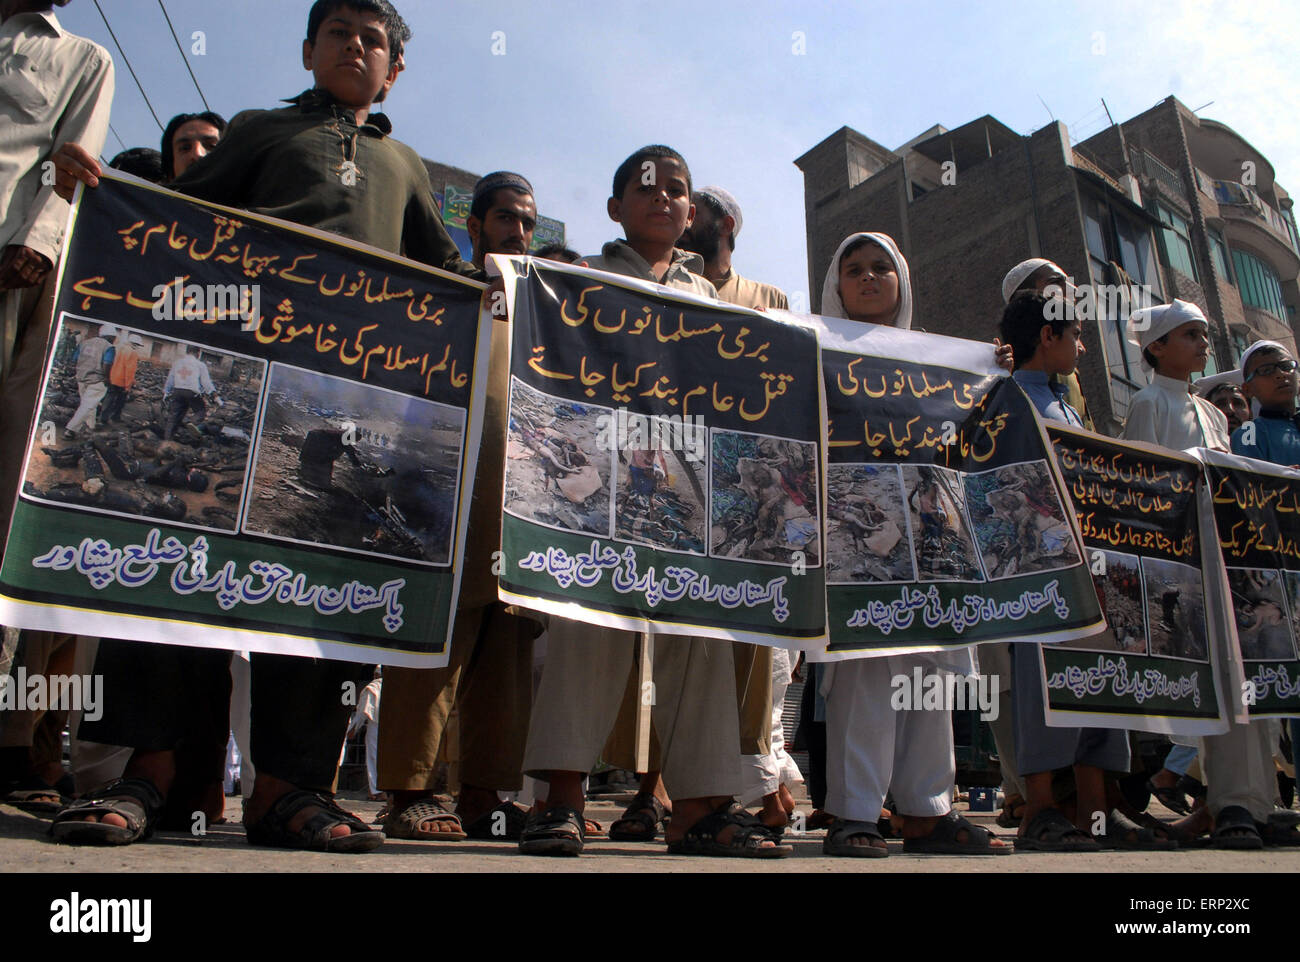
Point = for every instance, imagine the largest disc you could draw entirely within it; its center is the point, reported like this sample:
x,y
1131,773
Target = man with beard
x,y
712,235
489,679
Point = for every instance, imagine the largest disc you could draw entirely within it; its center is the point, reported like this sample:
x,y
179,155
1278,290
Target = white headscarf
x,y
833,305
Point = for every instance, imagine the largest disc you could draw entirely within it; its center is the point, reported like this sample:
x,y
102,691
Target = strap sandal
x,y
943,839
558,830
505,823
1235,830
1051,831
842,830
1124,833
1171,831
272,829
1013,811
36,797
593,829
1170,797
1277,834
136,800
746,839
415,821
642,821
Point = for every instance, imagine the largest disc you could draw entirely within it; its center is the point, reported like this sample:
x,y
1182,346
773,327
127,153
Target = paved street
x,y
24,847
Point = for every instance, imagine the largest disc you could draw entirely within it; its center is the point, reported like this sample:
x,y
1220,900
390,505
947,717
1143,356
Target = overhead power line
x,y
127,61
184,58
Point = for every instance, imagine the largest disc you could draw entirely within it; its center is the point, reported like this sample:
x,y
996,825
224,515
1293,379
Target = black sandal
x,y
272,829
1051,831
642,821
1170,796
746,841
1235,830
137,800
943,839
489,828
1124,833
837,838
559,830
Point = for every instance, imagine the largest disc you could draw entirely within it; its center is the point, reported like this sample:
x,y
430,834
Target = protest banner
x,y
1257,517
1142,513
285,468
664,460
946,524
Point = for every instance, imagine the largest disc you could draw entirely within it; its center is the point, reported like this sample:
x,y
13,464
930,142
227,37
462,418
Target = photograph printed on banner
x,y
1118,580
353,466
559,462
867,538
135,424
1175,609
659,498
763,498
1019,522
1263,625
941,537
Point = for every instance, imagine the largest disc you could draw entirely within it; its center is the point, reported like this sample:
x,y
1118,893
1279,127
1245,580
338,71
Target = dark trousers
x,y
114,401
167,698
180,402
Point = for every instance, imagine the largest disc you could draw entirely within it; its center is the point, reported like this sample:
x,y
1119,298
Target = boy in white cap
x,y
1268,374
1175,342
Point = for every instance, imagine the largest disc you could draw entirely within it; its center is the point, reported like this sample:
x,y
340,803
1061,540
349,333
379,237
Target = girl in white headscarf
x,y
871,747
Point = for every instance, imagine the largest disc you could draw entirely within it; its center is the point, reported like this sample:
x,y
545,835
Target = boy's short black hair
x,y
143,162
1023,320
398,32
558,252
175,124
1262,352
632,166
1151,359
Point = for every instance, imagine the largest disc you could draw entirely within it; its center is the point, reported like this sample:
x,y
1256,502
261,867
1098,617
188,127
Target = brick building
x,y
1181,205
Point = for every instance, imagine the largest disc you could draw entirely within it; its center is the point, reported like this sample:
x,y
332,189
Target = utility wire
x,y
128,65
115,134
183,57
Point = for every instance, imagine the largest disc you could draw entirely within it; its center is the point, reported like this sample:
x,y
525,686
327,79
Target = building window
x,y
1219,254
1259,285
1114,239
859,165
1178,241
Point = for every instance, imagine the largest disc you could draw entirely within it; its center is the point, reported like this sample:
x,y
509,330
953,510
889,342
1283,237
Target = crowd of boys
x,y
329,161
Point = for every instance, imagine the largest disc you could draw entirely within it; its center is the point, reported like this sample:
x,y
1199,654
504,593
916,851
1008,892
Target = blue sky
x,y
581,85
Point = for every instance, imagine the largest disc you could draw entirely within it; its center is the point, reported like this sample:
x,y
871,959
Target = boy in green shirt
x,y
325,162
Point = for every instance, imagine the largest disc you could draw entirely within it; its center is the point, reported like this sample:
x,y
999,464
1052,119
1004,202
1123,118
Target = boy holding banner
x,y
327,162
1045,352
1269,377
1174,339
587,665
